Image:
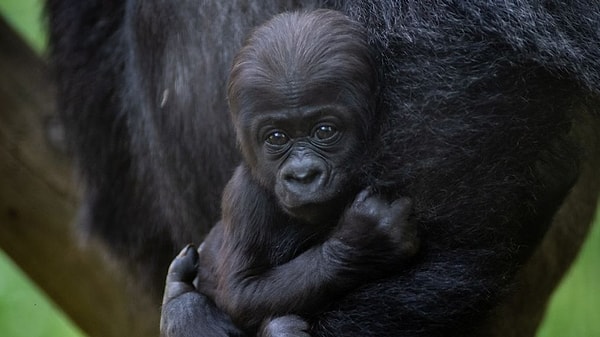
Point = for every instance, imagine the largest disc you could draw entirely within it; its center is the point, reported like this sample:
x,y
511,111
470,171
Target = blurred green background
x,y
26,312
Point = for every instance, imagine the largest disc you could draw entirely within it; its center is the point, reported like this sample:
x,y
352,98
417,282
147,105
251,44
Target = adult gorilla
x,y
484,113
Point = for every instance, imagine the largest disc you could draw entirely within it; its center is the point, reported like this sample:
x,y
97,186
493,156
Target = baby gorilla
x,y
297,231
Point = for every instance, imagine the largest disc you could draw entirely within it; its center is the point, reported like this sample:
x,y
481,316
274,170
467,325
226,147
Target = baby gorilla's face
x,y
302,103
306,150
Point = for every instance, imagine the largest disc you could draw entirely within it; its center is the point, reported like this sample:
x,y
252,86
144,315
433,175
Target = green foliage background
x,y
26,312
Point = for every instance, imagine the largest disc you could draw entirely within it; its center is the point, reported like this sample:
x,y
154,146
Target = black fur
x,y
478,98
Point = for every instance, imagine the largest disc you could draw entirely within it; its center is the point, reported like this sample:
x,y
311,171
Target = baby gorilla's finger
x,y
402,208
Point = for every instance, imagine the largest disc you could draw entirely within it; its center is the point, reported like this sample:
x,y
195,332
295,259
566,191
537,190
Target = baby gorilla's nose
x,y
302,171
302,175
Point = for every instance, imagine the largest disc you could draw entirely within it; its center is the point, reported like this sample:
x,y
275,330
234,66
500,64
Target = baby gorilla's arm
x,y
373,238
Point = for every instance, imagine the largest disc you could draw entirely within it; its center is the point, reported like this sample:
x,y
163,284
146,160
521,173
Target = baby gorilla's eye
x,y
325,132
277,138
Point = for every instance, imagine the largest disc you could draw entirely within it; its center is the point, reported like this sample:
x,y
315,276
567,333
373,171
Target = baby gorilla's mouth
x,y
292,197
314,206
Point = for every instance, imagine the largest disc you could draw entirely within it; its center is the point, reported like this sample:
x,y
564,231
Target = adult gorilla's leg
x,y
523,310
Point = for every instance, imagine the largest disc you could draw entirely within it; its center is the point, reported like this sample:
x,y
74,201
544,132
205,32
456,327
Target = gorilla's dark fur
x,y
479,99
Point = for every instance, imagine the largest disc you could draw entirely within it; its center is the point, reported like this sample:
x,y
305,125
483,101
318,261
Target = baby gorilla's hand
x,y
375,226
